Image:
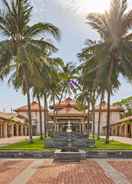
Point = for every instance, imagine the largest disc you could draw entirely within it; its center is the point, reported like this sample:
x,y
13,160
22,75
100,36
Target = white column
x,y
126,130
21,130
12,130
83,128
25,131
5,130
17,129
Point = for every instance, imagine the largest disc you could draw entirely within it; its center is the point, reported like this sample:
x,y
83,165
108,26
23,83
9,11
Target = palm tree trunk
x,y
93,117
100,109
109,89
108,118
45,115
29,114
40,117
93,113
88,118
29,105
54,114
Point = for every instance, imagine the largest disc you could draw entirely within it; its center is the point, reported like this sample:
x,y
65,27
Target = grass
x,y
113,145
38,145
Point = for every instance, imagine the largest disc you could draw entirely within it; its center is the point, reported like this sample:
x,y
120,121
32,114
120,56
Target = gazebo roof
x,y
68,107
34,108
68,102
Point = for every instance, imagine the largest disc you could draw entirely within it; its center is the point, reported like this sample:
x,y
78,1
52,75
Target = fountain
x,y
69,152
69,145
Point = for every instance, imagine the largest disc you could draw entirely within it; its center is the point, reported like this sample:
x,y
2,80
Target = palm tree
x,y
89,77
113,26
45,114
36,93
69,77
20,42
83,98
100,110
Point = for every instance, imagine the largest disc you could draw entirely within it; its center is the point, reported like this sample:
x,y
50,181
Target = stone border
x,y
20,154
109,154
51,154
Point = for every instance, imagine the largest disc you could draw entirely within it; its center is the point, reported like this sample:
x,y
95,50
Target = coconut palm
x,y
69,76
50,85
20,43
36,93
100,110
89,80
113,26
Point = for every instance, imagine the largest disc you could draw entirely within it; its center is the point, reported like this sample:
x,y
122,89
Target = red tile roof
x,y
67,103
113,108
67,107
34,108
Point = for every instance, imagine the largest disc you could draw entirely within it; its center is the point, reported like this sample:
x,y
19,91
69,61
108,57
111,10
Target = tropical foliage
x,y
112,53
26,58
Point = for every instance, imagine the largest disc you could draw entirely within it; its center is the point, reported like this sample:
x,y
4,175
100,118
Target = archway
x,y
15,130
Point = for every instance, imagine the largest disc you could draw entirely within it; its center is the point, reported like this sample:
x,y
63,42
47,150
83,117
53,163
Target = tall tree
x,y
20,40
113,27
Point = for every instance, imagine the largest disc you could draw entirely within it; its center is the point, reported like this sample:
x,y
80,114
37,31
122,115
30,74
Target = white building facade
x,y
115,116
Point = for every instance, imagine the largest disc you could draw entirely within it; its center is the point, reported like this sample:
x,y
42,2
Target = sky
x,y
69,16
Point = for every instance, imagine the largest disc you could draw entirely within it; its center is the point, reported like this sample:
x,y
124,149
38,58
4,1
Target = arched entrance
x,y
123,130
118,130
129,130
15,130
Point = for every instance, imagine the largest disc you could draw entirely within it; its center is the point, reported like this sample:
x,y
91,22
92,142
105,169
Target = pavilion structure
x,y
67,112
12,125
122,128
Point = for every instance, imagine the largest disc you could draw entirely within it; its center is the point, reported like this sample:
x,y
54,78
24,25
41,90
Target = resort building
x,y
23,111
115,115
67,112
122,128
12,125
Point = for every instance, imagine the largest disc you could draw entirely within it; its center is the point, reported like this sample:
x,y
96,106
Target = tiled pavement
x,y
125,140
46,171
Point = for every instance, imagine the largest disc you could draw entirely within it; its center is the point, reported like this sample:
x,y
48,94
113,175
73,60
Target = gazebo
x,y
65,112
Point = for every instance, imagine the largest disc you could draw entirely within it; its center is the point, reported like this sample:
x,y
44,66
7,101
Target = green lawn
x,y
38,145
113,145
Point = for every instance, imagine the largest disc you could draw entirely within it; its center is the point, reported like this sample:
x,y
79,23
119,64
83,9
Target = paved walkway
x,y
46,171
125,140
12,140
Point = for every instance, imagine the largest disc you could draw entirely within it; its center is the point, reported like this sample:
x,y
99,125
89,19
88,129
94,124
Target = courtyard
x,y
46,171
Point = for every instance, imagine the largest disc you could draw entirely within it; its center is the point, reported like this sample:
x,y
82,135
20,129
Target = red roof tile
x,y
67,103
113,108
34,108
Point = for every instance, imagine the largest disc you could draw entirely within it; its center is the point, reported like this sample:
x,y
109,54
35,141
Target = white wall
x,y
35,119
114,117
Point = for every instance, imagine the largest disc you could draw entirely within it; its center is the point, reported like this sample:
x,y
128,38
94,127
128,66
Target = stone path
x,y
46,171
116,176
12,140
23,177
125,140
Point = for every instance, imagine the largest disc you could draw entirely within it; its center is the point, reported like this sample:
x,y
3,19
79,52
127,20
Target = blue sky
x,y
69,16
